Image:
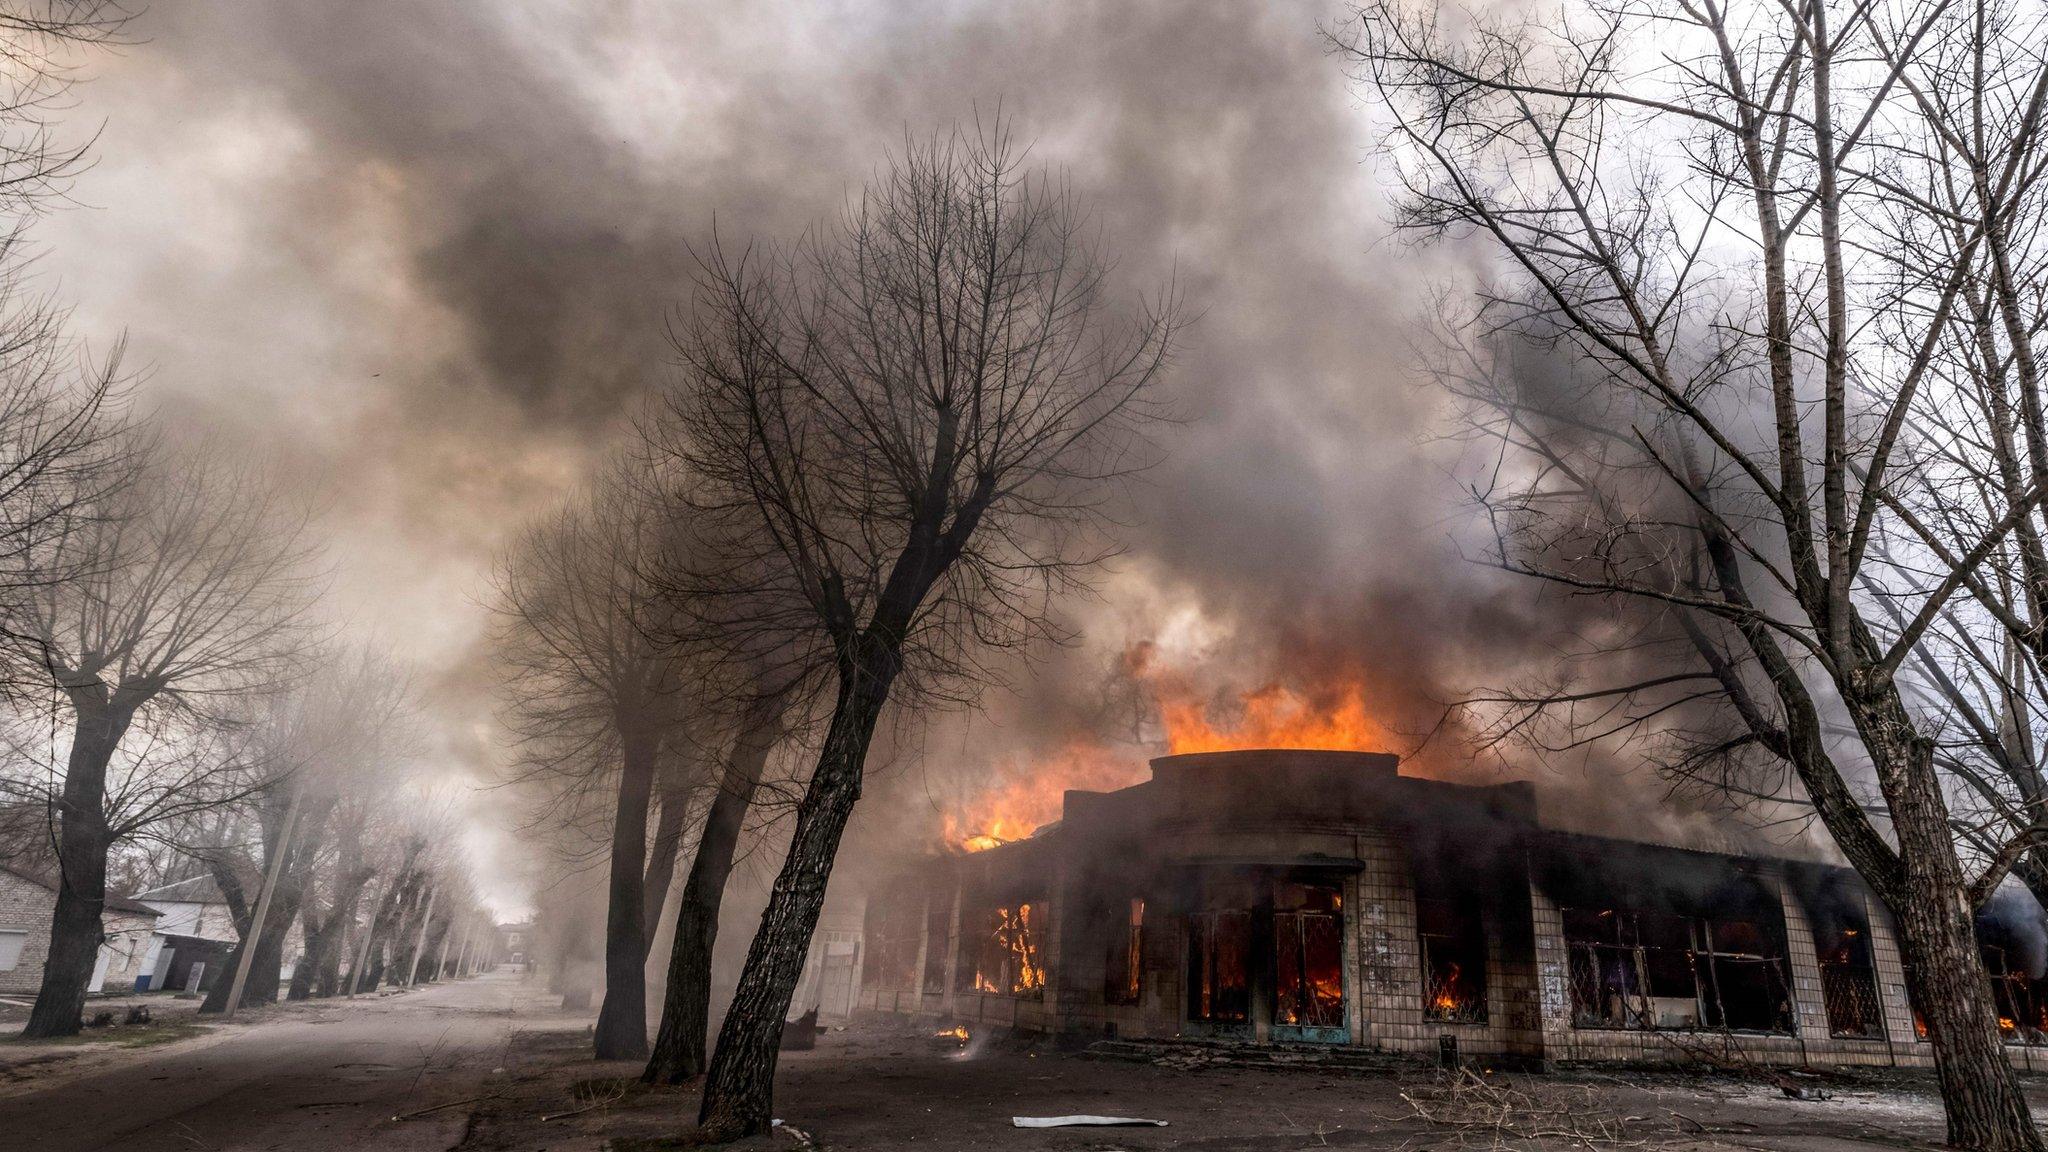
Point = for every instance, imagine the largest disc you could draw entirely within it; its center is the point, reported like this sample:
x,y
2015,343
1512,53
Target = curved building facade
x,y
1285,897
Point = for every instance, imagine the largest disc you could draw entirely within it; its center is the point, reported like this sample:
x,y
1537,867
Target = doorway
x,y
1265,960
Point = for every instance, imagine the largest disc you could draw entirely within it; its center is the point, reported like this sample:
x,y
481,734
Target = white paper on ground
x,y
1083,1122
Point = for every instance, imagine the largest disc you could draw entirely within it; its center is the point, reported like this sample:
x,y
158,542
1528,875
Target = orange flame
x,y
1446,999
1328,712
1034,792
1275,716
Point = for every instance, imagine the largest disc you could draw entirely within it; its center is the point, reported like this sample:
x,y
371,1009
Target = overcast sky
x,y
420,255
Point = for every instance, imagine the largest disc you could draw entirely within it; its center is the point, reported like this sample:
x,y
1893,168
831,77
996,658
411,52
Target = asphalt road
x,y
331,1078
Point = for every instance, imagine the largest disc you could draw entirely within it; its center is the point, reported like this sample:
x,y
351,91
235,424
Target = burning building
x,y
1319,897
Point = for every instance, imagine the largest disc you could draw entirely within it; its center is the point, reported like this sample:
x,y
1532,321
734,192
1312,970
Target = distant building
x,y
195,931
831,978
192,907
28,902
515,944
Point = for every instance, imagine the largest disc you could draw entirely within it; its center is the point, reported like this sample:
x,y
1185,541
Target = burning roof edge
x,y
1512,801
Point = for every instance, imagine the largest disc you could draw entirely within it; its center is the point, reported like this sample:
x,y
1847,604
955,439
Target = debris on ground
x,y
800,1034
802,1138
1496,1113
593,1094
1084,1122
417,1112
1188,1061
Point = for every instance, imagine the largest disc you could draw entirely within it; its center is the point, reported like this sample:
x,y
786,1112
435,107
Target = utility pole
x,y
441,956
255,936
462,953
355,974
412,974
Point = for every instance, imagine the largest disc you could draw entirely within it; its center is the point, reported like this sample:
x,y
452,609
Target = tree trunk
x,y
327,976
622,1021
430,955
417,950
303,976
264,966
661,860
371,964
1986,1111
740,1089
320,973
83,839
1938,942
679,1044
293,856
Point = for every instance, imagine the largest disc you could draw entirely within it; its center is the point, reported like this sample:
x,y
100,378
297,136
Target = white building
x,y
28,900
195,908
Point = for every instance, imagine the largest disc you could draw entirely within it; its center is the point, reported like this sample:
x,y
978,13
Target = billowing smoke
x,y
2012,920
427,252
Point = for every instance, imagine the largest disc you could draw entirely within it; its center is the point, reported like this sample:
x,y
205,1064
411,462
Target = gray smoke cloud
x,y
424,253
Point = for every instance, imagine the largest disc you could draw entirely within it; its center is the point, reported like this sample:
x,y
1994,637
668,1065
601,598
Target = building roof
x,y
199,889
1211,791
113,903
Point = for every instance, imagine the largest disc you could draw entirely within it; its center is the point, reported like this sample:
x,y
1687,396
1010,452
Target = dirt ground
x,y
494,1065
880,1088
174,1023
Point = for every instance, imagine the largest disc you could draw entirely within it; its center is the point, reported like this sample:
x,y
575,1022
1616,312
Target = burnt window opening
x,y
892,933
2020,998
1219,962
938,920
1742,978
2011,941
1005,959
1913,1005
1649,970
1308,954
1848,979
1630,970
1123,972
1453,961
2014,991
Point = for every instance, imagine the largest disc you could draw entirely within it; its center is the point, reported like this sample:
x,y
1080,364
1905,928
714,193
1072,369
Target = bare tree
x,y
900,433
681,1040
377,733
61,442
594,702
1781,252
317,757
415,852
39,43
185,590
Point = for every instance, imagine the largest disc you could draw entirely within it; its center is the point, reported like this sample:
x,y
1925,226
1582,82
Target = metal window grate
x,y
1450,993
1850,994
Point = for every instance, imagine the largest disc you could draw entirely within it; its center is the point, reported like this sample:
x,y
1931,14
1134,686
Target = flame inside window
x,y
1453,961
1123,968
1007,960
